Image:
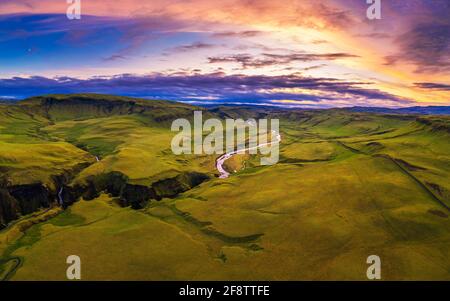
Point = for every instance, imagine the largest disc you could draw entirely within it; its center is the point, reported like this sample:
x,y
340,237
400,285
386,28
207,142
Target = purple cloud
x,y
270,59
218,86
239,34
433,86
427,46
191,47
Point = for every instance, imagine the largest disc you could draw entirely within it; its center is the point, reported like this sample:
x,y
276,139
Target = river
x,y
221,160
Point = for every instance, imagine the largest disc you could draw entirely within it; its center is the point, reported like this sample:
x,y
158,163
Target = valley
x,y
348,185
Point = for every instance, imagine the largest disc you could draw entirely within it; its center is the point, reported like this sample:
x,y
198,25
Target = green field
x,y
348,185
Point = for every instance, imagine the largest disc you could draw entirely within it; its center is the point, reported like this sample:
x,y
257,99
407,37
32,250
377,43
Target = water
x,y
60,199
219,163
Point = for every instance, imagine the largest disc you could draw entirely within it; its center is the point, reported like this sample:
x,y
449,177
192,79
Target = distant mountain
x,y
431,110
7,100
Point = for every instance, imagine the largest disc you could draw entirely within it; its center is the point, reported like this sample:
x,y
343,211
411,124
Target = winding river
x,y
221,160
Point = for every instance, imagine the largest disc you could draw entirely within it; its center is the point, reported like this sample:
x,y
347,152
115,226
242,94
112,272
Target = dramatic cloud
x,y
270,59
433,86
420,30
317,14
55,32
427,46
327,38
324,92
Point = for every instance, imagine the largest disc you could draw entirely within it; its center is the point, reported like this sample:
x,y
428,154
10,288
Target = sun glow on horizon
x,y
293,47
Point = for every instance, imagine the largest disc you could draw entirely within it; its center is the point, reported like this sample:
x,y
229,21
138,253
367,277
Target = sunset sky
x,y
307,53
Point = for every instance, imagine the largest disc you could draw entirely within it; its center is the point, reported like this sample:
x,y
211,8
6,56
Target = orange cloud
x,y
399,39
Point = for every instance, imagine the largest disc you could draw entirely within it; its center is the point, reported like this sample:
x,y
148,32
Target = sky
x,y
293,53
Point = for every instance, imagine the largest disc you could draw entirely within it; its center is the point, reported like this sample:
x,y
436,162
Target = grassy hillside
x,y
348,185
53,142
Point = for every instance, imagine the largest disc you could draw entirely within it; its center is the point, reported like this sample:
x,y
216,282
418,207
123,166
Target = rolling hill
x,y
348,185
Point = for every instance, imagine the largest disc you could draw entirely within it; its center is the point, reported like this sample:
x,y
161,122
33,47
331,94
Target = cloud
x,y
433,86
270,59
375,35
115,38
240,34
427,46
316,14
191,47
135,35
318,42
223,88
25,26
114,57
314,67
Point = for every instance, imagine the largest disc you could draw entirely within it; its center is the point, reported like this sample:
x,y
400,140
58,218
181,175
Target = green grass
x,y
116,243
126,145
348,185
